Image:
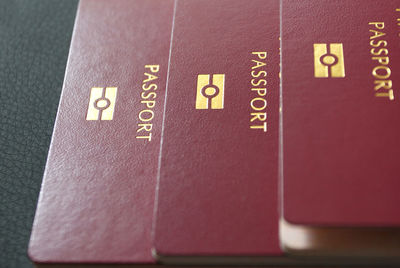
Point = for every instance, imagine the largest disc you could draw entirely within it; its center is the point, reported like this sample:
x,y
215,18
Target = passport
x,y
340,122
340,129
97,197
217,199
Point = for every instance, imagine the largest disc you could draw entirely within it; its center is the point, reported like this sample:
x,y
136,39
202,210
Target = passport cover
x,y
97,197
217,188
341,112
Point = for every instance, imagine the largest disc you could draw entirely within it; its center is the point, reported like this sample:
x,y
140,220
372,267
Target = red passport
x,y
218,181
341,112
96,202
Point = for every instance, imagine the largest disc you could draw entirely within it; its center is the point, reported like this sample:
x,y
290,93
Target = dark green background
x,y
34,41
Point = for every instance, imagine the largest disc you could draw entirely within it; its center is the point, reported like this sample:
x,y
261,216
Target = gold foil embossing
x,y
381,72
210,91
329,60
258,103
101,103
148,102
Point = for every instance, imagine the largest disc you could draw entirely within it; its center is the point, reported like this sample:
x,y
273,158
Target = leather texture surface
x,y
97,199
341,142
34,42
218,179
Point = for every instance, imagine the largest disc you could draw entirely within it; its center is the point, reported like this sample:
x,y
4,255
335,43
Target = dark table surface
x,y
34,41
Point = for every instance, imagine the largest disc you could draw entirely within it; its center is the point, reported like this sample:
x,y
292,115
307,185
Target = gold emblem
x,y
328,60
210,91
101,103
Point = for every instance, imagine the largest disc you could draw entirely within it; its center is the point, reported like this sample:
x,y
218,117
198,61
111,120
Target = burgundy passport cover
x,y
217,191
341,112
96,202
